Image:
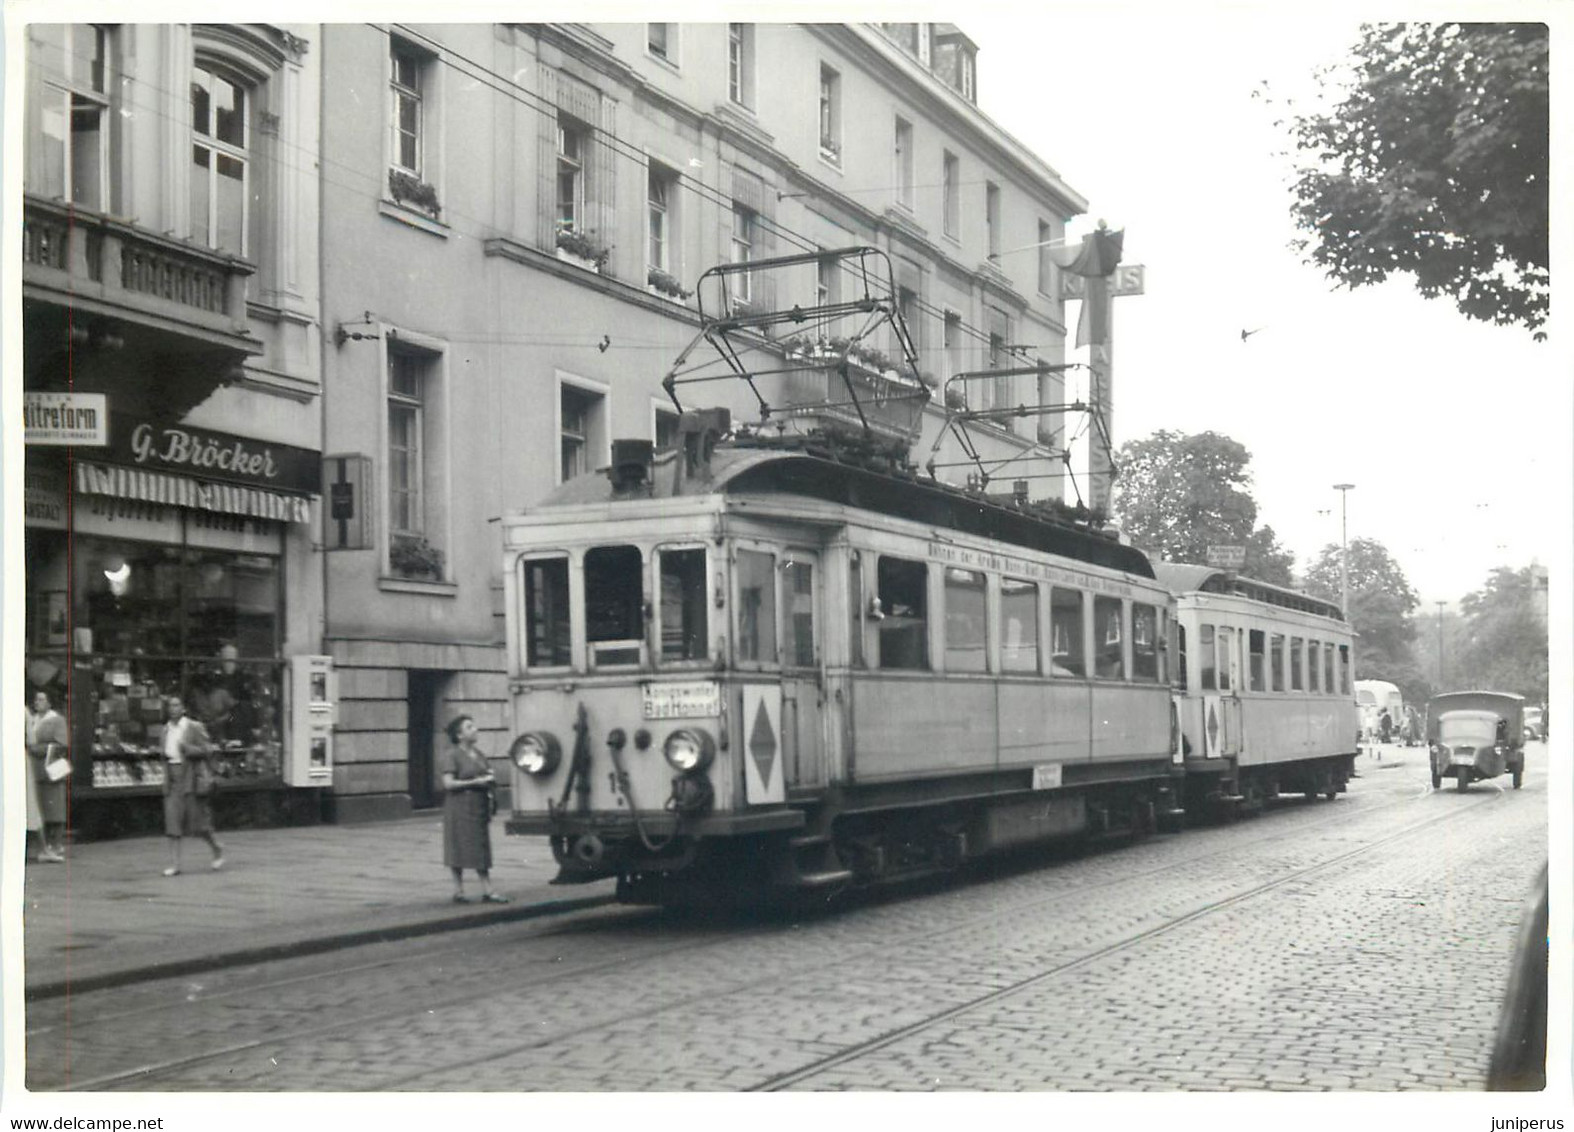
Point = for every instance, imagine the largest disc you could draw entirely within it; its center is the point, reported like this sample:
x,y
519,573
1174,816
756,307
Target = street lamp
x,y
1440,605
1344,552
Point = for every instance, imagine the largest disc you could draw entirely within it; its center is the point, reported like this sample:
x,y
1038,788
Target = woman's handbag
x,y
201,778
57,768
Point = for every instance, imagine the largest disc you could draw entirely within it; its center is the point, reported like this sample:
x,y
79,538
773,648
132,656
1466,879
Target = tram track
x,y
627,959
853,1053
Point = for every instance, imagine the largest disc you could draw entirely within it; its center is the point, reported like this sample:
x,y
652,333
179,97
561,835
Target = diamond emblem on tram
x,y
762,743
1213,727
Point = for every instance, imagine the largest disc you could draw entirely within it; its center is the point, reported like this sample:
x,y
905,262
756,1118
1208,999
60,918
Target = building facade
x,y
515,218
171,358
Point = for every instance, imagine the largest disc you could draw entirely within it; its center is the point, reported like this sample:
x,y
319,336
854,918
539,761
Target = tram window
x,y
966,611
1276,661
756,606
799,576
546,613
1144,642
904,607
1226,654
1019,619
683,604
1344,669
1254,646
1108,616
1328,667
1180,652
855,603
1207,672
1297,658
612,604
1065,630
1313,684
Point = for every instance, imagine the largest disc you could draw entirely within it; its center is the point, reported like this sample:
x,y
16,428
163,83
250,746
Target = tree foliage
x,y
1177,495
1504,643
1434,164
1382,603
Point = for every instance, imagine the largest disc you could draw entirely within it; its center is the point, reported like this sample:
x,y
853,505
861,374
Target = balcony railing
x,y
128,272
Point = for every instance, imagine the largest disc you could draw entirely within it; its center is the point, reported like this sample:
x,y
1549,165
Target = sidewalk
x,y
108,916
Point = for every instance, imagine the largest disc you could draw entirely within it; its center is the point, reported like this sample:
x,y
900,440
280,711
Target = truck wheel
x,y
1519,775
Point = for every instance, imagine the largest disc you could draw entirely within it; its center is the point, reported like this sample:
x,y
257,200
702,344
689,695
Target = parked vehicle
x,y
1476,735
1535,723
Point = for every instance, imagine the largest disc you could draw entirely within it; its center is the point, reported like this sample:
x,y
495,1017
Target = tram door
x,y
803,687
1230,687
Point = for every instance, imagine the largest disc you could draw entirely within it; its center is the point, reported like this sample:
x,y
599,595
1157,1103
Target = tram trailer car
x,y
751,670
1263,681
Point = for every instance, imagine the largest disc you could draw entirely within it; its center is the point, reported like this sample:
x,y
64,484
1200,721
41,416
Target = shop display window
x,y
150,620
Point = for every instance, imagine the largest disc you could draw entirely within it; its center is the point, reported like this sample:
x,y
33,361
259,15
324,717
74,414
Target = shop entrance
x,y
423,688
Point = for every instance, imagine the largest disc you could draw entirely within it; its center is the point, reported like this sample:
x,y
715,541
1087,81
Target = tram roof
x,y
1185,577
739,469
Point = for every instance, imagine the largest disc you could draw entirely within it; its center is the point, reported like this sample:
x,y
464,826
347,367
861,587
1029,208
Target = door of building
x,y
422,691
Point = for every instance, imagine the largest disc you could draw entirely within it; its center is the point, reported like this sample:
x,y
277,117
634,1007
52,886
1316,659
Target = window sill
x,y
390,583
413,217
569,257
834,160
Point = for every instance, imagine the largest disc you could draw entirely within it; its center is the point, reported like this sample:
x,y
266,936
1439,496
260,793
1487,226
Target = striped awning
x,y
184,491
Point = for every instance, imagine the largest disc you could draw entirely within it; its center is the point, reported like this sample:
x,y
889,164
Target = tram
x,y
1263,683
755,668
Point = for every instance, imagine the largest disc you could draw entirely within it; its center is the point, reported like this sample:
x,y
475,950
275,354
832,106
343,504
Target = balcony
x,y
184,299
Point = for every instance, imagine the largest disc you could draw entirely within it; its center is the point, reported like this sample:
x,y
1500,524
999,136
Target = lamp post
x,y
1344,551
1440,605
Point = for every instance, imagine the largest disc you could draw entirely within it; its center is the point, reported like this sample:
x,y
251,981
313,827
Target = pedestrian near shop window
x,y
468,784
48,741
1385,725
188,784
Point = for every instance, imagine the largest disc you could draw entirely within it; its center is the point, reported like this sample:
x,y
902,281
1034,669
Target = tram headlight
x,y
537,753
689,750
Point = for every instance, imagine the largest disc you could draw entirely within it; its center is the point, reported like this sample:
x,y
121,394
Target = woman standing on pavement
x,y
467,811
47,739
188,784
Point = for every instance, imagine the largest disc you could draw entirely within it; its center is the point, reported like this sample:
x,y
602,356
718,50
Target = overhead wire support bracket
x,y
880,394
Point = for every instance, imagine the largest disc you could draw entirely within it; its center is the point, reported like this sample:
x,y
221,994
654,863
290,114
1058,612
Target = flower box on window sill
x,y
410,556
579,249
412,192
667,286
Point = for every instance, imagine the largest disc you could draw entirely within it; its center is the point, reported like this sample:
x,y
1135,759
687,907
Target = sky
x,y
1455,433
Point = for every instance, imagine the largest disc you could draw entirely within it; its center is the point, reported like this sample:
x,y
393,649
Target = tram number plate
x,y
1046,777
681,701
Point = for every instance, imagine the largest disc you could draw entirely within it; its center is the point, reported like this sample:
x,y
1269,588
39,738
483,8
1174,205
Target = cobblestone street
x,y
1355,945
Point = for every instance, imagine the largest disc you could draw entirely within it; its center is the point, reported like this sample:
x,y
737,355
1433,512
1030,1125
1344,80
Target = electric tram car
x,y
752,669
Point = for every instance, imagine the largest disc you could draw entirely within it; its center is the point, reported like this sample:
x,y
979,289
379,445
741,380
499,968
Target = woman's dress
x,y
467,816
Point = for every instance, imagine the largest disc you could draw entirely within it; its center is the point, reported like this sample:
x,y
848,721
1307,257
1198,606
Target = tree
x,y
1381,604
1435,164
1178,495
1504,645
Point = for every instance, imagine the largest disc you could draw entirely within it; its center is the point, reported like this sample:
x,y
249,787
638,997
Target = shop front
x,y
156,566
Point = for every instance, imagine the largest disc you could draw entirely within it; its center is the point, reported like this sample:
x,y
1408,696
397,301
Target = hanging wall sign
x,y
80,419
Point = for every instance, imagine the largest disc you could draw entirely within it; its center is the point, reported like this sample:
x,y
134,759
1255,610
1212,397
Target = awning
x,y
184,491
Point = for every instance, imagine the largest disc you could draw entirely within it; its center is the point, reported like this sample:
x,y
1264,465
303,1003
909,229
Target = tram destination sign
x,y
1226,557
690,699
